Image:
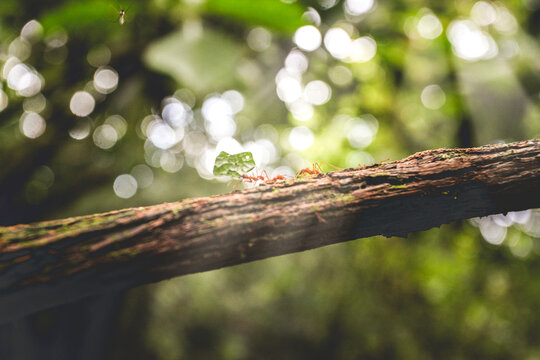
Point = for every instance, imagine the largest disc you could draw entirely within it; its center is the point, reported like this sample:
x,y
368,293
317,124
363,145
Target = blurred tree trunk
x,y
49,263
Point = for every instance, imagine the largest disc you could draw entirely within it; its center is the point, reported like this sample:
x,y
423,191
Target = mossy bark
x,y
49,263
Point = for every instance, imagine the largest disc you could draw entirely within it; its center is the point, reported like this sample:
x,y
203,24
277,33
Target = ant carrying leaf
x,y
237,166
233,164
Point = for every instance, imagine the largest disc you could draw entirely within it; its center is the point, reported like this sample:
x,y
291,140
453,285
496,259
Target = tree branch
x,y
54,262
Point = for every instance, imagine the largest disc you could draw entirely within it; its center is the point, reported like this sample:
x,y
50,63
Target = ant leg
x,y
317,168
264,176
335,167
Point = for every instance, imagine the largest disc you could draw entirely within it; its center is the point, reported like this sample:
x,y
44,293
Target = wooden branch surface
x,y
54,262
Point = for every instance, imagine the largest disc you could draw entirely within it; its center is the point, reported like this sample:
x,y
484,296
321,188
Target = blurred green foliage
x,y
274,15
79,16
187,61
199,77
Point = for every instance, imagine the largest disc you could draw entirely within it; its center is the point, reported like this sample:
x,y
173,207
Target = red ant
x,y
263,177
315,171
276,178
248,178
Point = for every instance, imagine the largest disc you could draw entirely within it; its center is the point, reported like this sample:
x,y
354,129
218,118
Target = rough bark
x,y
49,263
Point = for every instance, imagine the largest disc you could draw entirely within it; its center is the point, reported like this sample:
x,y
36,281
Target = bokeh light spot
x,y
143,174
163,136
288,88
483,13
230,145
340,75
317,92
32,31
433,97
171,163
312,16
259,39
361,131
362,50
301,138
8,65
469,42
505,22
308,38
520,217
264,152
56,39
338,43
125,186
492,233
118,123
328,4
105,136
186,96
216,108
218,115
266,131
235,99
205,163
105,80
24,80
82,103
32,125
358,7
429,26
296,62
4,101
301,110
194,144
81,130
20,48
35,103
175,114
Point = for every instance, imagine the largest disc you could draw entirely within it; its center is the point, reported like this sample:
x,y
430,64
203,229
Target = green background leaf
x,y
88,15
272,14
203,64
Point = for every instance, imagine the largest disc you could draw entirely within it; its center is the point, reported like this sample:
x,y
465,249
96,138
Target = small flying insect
x,y
121,13
122,18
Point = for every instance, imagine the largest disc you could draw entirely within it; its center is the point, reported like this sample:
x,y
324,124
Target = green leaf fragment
x,y
233,164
